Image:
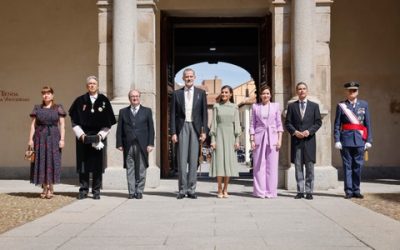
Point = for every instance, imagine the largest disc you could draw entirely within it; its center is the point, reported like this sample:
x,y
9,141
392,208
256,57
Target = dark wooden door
x,y
265,63
166,88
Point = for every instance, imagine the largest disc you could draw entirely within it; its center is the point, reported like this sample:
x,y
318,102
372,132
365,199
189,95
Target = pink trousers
x,y
265,171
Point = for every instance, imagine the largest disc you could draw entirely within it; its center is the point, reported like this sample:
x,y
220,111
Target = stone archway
x,y
233,40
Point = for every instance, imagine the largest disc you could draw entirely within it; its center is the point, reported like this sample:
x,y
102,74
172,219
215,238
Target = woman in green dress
x,y
225,131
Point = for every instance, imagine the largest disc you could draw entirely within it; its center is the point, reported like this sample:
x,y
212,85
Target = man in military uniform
x,y
352,133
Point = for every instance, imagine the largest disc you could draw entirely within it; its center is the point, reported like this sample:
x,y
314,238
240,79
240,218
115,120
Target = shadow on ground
x,y
36,195
383,181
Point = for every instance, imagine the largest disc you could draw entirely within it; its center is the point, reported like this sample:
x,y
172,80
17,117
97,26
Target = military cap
x,y
351,85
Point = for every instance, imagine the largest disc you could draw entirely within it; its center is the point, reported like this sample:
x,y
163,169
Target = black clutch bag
x,y
89,139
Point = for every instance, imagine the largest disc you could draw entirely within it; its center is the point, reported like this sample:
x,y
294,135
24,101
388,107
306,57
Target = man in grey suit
x,y
135,138
303,119
187,126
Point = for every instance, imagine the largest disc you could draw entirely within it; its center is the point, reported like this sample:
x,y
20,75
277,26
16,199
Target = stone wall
x,y
44,42
365,47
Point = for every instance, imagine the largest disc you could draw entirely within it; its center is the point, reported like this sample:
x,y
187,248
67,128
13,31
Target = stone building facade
x,y
322,42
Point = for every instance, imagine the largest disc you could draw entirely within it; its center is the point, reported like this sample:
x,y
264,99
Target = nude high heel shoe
x,y
50,191
44,191
226,195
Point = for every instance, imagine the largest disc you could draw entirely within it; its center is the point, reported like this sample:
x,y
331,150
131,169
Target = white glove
x,y
338,145
367,145
98,146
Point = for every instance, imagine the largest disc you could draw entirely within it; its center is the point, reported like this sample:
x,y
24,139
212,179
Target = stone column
x,y
281,82
303,41
124,31
133,44
146,80
124,44
326,174
308,55
105,47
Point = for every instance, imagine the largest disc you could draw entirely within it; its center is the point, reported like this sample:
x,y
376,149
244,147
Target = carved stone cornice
x,y
147,4
317,2
323,2
279,2
104,3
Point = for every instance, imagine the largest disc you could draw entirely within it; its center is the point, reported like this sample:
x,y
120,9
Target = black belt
x,y
48,127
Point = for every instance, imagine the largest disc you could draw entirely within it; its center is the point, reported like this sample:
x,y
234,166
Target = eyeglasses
x,y
133,96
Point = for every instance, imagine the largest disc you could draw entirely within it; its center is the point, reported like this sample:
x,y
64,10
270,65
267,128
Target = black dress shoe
x,y
139,196
348,196
180,196
131,196
309,196
96,197
81,196
359,196
192,196
299,196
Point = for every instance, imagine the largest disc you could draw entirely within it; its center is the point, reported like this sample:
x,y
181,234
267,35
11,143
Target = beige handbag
x,y
30,154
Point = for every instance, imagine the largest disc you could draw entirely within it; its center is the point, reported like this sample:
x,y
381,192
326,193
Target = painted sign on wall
x,y
11,96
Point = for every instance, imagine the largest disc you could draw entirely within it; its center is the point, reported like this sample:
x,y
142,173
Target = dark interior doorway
x,y
245,42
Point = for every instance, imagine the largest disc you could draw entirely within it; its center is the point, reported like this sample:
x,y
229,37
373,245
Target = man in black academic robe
x,y
92,117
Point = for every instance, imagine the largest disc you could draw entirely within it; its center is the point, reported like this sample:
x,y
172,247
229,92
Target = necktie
x,y
302,108
188,96
134,111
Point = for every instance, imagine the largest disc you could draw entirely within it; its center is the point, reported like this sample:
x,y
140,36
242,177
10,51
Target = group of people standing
x,y
92,117
303,119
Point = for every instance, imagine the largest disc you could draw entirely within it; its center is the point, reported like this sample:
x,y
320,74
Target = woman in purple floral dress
x,y
47,138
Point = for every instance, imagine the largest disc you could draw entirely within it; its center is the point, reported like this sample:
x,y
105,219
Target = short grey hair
x,y
91,78
301,83
187,70
134,90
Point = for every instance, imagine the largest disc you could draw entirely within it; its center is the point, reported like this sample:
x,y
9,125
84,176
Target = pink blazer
x,y
266,130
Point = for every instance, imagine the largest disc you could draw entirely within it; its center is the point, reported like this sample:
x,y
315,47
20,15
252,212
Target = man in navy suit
x,y
352,132
135,137
187,126
303,119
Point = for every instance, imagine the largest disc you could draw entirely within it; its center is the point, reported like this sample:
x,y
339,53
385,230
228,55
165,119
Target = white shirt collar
x,y
305,101
93,98
352,102
137,107
189,89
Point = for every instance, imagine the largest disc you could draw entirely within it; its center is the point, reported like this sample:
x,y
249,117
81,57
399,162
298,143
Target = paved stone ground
x,y
160,221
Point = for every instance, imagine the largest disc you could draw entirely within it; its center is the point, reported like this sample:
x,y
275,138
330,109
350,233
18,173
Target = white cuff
x,y
338,145
103,133
78,131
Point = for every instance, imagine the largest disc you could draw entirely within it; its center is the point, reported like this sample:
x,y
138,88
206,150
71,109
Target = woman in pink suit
x,y
266,138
